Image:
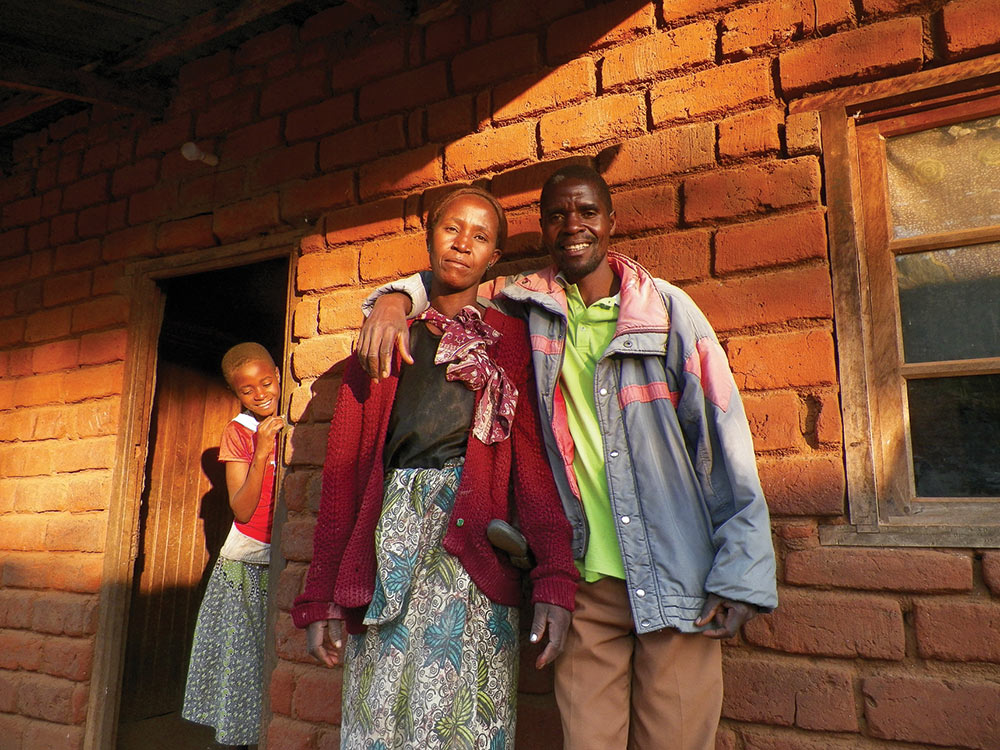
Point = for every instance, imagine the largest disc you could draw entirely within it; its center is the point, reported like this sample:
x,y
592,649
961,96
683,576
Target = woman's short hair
x,y
434,215
244,354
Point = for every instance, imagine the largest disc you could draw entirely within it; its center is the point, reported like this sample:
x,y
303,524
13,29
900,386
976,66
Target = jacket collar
x,y
641,307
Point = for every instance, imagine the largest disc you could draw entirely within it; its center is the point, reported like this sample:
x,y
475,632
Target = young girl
x,y
225,676
417,465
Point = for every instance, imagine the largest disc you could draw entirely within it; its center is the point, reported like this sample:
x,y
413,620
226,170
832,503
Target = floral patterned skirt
x,y
225,676
437,666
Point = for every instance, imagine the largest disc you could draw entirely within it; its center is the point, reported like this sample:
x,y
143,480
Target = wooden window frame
x,y
882,507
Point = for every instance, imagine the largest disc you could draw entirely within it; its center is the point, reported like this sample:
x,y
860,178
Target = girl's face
x,y
257,387
463,243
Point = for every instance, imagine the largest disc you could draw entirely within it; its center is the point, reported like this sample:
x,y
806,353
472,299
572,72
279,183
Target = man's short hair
x,y
244,354
434,215
582,173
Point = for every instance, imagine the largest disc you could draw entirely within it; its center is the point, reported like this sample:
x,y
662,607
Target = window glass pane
x,y
949,303
955,433
945,179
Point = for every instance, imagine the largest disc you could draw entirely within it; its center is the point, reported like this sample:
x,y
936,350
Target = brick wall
x,y
346,132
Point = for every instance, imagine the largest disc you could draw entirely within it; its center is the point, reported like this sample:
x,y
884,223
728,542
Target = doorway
x,y
184,514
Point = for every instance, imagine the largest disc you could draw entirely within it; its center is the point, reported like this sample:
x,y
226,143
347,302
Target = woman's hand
x,y
323,639
383,330
556,620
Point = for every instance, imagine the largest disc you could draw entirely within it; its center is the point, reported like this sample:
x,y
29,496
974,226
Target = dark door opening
x,y
184,515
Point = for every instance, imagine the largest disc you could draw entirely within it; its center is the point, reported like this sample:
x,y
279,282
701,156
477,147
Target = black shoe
x,y
505,537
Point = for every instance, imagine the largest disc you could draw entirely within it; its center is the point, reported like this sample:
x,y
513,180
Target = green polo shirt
x,y
589,331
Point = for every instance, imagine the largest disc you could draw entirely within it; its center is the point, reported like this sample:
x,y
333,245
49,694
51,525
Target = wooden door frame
x,y
146,303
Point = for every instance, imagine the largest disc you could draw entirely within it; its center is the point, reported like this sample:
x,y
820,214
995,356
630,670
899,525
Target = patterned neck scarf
x,y
463,345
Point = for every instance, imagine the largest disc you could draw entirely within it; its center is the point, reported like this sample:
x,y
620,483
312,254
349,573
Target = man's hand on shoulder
x,y
384,330
726,616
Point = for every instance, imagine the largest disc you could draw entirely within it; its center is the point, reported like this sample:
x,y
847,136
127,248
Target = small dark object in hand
x,y
505,537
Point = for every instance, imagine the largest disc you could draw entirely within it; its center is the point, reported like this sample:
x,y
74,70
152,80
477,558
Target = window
x,y
913,179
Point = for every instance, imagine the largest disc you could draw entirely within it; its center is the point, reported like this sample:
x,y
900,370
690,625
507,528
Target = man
x,y
652,454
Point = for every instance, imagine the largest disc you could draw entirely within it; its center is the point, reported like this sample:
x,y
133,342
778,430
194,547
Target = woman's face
x,y
463,243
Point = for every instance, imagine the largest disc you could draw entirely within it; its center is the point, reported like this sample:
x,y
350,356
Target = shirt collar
x,y
572,290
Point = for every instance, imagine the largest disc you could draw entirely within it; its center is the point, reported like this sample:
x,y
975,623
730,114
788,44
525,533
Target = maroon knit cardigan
x,y
341,578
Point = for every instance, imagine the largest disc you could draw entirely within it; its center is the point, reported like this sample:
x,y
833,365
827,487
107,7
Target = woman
x,y
417,465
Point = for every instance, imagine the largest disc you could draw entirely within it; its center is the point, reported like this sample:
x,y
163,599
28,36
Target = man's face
x,y
576,228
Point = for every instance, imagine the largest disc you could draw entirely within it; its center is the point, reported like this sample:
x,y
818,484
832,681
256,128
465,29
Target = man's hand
x,y
383,330
323,640
727,616
556,620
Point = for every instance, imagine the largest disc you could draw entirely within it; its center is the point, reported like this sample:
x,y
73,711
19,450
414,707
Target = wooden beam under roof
x,y
24,105
385,11
196,31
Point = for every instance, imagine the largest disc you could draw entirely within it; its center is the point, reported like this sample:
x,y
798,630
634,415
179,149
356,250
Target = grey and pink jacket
x,y
689,510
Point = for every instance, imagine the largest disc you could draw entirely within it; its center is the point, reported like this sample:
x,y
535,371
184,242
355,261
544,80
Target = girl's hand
x,y
268,429
323,639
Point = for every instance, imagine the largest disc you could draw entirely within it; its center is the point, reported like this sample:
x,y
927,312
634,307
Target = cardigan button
x,y
460,522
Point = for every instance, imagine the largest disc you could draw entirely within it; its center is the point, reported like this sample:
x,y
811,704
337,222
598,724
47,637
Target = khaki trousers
x,y
616,689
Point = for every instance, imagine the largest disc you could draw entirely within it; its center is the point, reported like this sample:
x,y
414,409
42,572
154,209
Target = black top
x,y
431,416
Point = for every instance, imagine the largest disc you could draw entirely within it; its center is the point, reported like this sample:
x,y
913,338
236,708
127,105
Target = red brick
x,y
646,208
282,685
755,188
971,27
787,238
958,631
153,203
713,91
38,236
100,313
290,735
539,92
129,243
330,115
803,486
107,155
921,571
499,60
247,218
397,256
933,711
775,22
267,45
100,348
14,187
767,298
325,270
403,91
991,571
135,177
59,355
802,134
304,318
313,358
20,650
52,699
613,117
62,229
303,87
789,694
23,532
664,152
309,198
284,164
227,115
214,188
392,174
659,53
774,420
490,150
68,125
306,445
68,532
362,143
365,221
595,28
679,256
521,186
825,624
451,118
876,51
164,136
46,736
185,233
379,58
24,211
69,168
203,71
317,696
512,16
751,133
47,324
93,221
446,37
337,311
329,22
251,140
13,242
780,360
